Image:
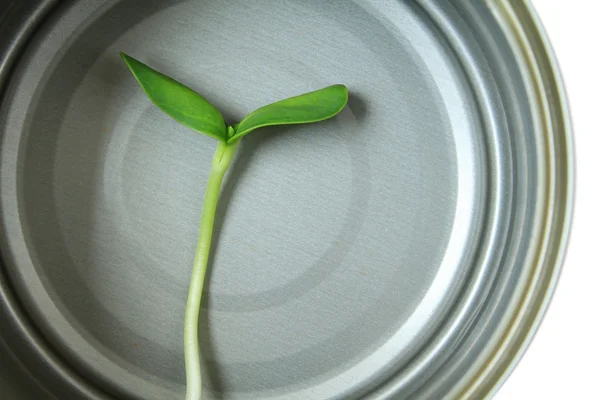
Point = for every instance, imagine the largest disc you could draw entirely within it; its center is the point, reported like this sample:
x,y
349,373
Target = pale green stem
x,y
221,161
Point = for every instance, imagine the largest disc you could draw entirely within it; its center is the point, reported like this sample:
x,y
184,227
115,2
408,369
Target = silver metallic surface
x,y
403,250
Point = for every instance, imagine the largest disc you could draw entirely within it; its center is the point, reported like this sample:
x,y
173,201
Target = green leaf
x,y
310,107
178,101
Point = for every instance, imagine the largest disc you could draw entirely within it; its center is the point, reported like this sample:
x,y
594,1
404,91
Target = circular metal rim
x,y
529,38
24,18
518,333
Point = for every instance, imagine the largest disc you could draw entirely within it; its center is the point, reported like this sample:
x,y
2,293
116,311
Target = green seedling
x,y
194,111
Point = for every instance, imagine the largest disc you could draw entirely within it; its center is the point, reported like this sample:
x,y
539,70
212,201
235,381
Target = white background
x,y
563,362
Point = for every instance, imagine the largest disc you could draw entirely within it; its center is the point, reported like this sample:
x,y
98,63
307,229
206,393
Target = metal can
x,y
405,250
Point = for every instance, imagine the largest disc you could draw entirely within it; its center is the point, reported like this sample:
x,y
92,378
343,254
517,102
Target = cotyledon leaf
x,y
178,101
306,108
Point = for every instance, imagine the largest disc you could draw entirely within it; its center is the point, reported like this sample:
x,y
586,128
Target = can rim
x,y
19,23
531,39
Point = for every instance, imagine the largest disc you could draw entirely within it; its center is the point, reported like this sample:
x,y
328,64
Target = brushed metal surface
x,y
354,257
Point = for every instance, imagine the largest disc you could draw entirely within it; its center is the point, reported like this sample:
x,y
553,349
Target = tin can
x,y
405,250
